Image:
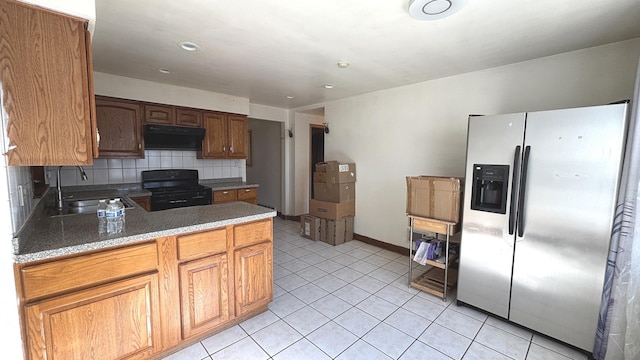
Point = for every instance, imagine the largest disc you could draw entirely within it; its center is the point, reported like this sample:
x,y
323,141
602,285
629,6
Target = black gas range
x,y
174,188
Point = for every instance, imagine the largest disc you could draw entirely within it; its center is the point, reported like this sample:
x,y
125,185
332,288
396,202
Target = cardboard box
x,y
310,227
434,197
334,192
335,172
348,233
336,232
332,210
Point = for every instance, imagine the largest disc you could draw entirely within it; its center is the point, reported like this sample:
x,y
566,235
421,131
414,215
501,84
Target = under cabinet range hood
x,y
165,137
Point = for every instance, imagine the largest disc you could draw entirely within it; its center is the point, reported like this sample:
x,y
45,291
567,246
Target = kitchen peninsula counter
x,y
46,237
172,278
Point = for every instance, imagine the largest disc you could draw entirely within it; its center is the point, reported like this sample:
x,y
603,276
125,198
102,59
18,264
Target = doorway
x,y
317,150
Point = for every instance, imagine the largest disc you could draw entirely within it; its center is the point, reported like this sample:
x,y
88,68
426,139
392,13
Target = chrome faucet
x,y
59,186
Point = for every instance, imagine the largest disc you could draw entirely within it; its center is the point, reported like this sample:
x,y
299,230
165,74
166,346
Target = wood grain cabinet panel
x,y
204,294
201,244
46,85
159,114
252,233
214,145
114,321
119,127
224,196
188,117
249,195
238,135
226,136
86,270
253,277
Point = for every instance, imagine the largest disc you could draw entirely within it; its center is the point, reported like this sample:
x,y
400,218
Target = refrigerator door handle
x,y
523,190
514,182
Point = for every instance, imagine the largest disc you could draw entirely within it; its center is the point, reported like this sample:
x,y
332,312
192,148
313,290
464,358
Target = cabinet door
x,y
44,81
253,277
204,294
115,321
188,117
159,114
119,128
237,137
214,145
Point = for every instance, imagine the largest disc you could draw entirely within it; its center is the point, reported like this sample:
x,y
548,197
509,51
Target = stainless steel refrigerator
x,y
540,193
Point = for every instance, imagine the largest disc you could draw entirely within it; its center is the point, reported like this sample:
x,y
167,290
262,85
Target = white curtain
x,y
618,335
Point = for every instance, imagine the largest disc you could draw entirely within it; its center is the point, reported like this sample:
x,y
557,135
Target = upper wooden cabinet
x,y
47,89
119,128
160,114
188,117
226,136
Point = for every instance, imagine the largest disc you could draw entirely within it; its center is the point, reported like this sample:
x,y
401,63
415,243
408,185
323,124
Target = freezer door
x,y
572,182
486,253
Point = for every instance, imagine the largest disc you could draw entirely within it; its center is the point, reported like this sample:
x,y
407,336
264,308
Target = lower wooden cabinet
x,y
144,300
204,295
253,277
249,195
115,321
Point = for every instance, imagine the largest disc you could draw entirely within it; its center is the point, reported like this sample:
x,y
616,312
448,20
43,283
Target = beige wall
x,y
130,88
421,129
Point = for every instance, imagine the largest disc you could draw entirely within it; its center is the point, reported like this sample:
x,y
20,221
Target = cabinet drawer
x,y
252,233
63,275
248,193
198,245
222,196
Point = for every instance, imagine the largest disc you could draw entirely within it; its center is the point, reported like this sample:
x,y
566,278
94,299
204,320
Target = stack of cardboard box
x,y
333,206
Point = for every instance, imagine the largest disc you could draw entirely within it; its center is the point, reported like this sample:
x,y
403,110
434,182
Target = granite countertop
x,y
46,237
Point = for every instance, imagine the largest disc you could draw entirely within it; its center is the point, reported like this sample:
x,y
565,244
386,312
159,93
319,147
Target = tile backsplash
x,y
118,171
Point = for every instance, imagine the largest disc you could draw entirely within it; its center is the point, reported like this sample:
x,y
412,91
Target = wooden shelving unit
x,y
438,274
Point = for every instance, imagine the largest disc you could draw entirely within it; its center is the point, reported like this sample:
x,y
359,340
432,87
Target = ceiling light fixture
x,y
343,64
434,9
165,70
188,46
290,97
329,86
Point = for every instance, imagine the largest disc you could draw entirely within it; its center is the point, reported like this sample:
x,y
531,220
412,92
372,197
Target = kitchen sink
x,y
82,206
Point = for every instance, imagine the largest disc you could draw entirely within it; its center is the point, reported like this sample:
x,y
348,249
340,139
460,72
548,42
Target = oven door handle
x,y
177,201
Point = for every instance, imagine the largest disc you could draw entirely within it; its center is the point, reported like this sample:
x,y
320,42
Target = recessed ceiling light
x,y
165,71
188,46
290,97
434,9
343,64
329,86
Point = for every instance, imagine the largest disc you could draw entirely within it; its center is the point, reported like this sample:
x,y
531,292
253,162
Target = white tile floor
x,y
352,302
